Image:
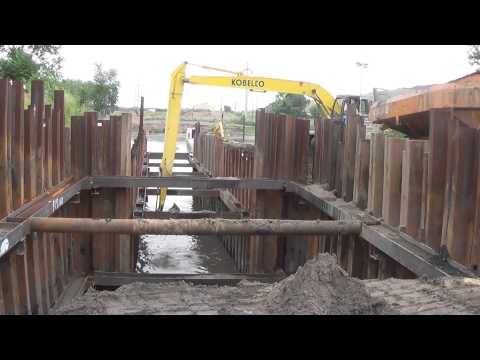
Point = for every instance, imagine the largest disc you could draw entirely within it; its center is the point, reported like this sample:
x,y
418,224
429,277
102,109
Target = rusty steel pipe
x,y
196,226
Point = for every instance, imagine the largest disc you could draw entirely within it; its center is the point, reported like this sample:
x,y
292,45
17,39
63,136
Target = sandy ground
x,y
320,287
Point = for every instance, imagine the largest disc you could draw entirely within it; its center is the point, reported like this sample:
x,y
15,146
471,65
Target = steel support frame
x,y
159,156
197,182
14,227
415,256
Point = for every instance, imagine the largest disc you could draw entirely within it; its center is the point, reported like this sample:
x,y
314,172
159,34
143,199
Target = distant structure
x,y
470,79
383,94
204,107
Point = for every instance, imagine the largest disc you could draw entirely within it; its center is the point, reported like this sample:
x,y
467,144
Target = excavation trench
x,y
191,254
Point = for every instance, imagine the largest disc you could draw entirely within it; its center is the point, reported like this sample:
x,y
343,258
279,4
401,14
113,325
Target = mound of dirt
x,y
321,287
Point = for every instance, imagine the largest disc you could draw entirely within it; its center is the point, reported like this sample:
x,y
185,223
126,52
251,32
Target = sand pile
x,y
321,287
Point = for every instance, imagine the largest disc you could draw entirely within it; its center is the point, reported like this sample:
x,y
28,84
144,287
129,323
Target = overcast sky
x,y
146,69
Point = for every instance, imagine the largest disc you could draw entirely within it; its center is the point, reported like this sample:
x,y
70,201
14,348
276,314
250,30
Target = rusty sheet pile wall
x,y
355,168
342,162
105,149
138,168
235,245
33,162
227,159
426,189
40,159
32,144
282,156
281,152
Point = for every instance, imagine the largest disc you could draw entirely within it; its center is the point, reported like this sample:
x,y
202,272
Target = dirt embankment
x,y
320,287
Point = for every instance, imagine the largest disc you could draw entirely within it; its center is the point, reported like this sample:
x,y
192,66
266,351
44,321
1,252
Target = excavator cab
x,y
362,106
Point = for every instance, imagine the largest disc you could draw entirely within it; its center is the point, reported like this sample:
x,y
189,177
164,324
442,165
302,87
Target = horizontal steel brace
x,y
196,226
117,279
186,192
16,235
158,155
175,165
416,258
197,182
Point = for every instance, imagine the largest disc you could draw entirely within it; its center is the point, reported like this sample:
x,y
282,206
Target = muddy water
x,y
180,254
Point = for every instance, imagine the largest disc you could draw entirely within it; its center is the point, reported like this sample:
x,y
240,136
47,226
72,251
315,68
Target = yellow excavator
x,y
329,106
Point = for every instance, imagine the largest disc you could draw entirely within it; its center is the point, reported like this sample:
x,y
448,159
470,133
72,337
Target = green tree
x,y
290,104
105,91
18,65
78,96
29,62
474,55
46,57
83,91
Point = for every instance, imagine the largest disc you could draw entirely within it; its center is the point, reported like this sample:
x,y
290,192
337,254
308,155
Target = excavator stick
x,y
172,126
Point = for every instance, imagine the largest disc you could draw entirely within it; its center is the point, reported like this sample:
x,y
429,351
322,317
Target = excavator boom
x,y
255,83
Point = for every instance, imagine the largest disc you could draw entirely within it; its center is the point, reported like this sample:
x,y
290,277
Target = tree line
x,y
474,55
30,62
44,62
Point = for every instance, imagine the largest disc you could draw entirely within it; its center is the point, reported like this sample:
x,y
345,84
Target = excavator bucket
x,y
218,130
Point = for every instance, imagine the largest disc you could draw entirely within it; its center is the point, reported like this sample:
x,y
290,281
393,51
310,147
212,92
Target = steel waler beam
x,y
196,226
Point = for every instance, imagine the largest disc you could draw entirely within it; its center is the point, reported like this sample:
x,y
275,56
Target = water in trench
x,y
180,253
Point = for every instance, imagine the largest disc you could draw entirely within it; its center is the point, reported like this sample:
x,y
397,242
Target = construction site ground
x,y
320,287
